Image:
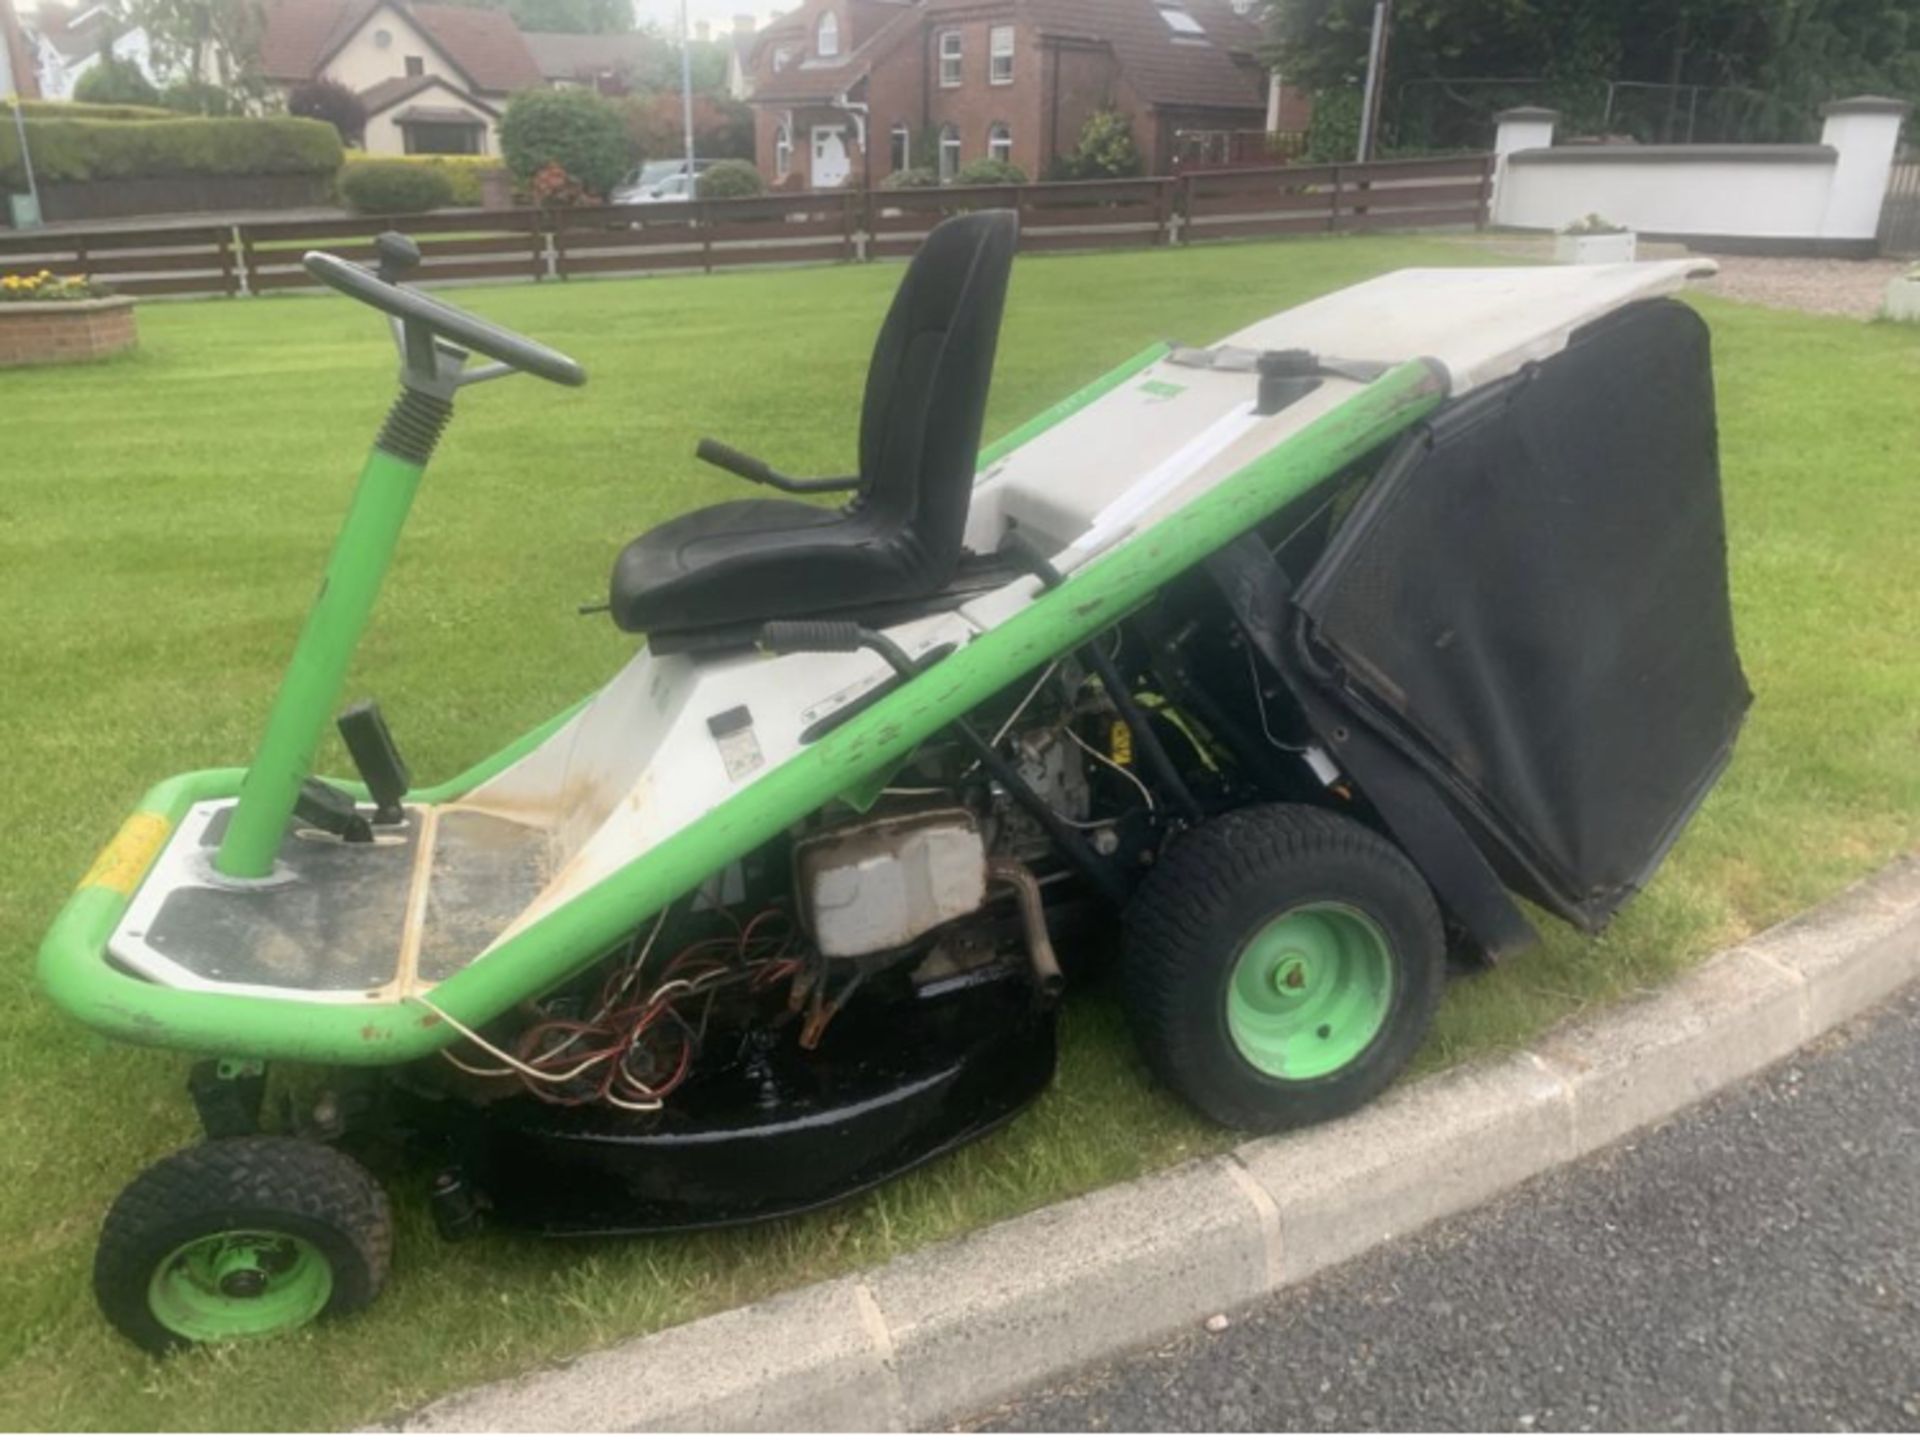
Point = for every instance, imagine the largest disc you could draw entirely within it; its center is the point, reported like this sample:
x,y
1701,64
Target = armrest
x,y
760,473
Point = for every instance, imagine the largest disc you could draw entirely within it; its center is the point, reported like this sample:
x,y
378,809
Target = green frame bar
x,y
311,687
75,970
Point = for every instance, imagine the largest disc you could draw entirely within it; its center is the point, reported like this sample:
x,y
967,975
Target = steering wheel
x,y
413,308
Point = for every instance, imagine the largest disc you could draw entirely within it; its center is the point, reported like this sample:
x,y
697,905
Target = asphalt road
x,y
1751,1265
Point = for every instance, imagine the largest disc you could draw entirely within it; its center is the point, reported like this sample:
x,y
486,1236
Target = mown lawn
x,y
162,520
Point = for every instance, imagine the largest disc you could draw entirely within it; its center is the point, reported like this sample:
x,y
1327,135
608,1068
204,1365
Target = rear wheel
x,y
1281,966
241,1238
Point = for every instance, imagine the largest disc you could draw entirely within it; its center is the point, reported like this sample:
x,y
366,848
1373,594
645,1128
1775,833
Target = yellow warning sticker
x,y
125,860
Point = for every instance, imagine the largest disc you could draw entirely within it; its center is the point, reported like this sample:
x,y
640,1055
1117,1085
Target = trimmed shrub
x,y
74,110
114,150
389,187
914,177
462,172
332,102
576,130
113,81
730,180
989,172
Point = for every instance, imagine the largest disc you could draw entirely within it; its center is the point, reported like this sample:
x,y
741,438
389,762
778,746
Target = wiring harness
x,y
636,1044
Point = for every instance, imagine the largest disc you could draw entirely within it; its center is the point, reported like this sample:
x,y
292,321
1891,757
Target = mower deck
x,y
772,1130
375,918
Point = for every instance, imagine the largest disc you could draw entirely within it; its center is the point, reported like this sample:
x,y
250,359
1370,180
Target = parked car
x,y
659,180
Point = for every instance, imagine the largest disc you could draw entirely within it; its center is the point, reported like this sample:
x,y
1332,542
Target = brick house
x,y
845,92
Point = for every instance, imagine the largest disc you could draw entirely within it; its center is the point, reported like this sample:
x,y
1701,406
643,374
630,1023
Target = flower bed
x,y
47,319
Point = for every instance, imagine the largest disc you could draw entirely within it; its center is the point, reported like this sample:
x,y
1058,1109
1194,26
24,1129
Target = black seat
x,y
899,537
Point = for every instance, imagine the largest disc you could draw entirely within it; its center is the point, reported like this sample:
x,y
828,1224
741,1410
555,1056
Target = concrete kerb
x,y
963,1325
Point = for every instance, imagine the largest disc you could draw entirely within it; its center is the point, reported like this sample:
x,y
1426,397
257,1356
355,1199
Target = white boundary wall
x,y
1824,197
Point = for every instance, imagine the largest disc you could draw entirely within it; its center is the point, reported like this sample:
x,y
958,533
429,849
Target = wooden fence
x,y
1900,218
826,226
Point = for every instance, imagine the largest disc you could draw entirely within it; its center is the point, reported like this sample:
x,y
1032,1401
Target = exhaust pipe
x,y
1047,977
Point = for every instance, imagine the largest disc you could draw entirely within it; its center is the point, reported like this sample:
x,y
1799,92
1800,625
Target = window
x,y
827,37
1000,55
1178,20
949,58
949,153
782,57
782,152
382,39
442,138
416,65
902,148
1000,142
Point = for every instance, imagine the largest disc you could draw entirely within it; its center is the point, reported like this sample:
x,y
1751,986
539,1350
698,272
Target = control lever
x,y
330,809
377,759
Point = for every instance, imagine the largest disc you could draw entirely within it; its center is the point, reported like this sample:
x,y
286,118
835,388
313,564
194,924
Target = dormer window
x,y
827,37
1177,18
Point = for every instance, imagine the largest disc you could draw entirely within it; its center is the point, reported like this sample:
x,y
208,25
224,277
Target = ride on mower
x,y
1284,669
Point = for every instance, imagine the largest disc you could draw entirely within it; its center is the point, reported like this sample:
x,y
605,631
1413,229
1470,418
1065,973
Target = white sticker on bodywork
x,y
739,747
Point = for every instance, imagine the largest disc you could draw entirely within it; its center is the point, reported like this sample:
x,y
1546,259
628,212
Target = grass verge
x,y
162,519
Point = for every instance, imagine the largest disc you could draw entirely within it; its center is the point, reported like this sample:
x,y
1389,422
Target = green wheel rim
x,y
240,1284
1310,991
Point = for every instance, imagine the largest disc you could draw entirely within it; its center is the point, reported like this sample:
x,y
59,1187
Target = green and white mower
x,y
1279,670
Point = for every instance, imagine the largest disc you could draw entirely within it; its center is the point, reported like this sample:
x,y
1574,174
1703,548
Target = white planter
x,y
1903,299
1616,248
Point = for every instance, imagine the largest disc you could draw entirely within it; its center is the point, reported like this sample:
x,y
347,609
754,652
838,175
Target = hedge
x,y
393,187
76,110
462,172
730,180
155,149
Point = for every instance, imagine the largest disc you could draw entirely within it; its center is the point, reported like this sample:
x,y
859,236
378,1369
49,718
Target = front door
x,y
831,167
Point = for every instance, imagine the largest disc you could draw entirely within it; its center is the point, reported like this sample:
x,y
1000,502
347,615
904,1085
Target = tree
x,y
332,102
1764,65
1106,151
217,40
722,127
576,130
113,81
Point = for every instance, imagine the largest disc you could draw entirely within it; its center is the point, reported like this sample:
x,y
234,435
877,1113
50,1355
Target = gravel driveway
x,y
1820,287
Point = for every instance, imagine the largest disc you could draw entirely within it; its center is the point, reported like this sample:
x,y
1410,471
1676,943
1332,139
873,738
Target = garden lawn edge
x,y
934,1336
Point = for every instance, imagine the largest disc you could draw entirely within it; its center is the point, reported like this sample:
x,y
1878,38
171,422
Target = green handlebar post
x,y
314,678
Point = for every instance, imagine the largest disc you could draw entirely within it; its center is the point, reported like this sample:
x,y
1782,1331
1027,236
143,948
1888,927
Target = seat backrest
x,y
926,394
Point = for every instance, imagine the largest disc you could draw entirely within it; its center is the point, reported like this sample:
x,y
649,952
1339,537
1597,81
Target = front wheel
x,y
236,1239
1281,966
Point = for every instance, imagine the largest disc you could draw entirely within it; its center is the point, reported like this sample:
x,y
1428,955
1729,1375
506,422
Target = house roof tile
x,y
1217,68
565,56
485,45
